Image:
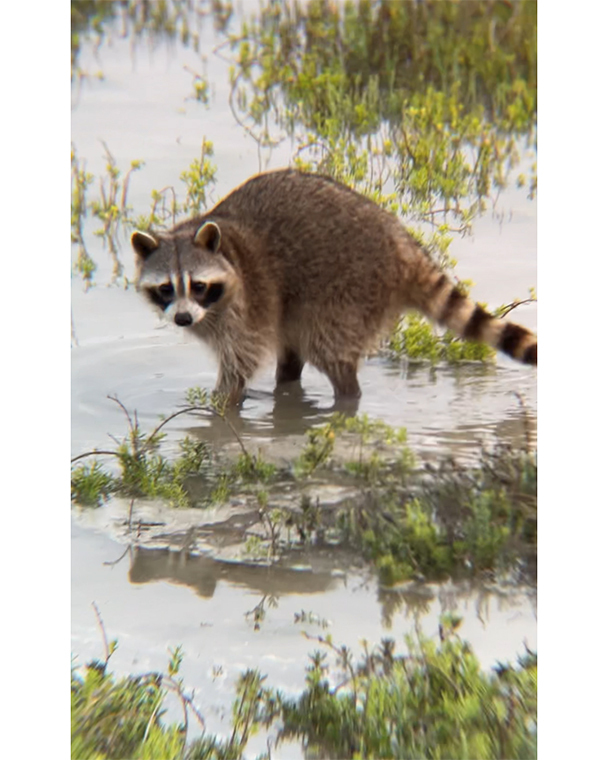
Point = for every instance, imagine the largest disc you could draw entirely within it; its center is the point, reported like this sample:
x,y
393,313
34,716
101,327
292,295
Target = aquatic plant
x,y
198,178
91,485
146,473
360,429
410,523
109,206
81,180
116,718
89,18
415,338
444,87
98,20
450,521
258,614
433,701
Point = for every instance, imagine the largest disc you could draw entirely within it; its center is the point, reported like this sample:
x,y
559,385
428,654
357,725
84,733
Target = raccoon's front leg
x,y
289,366
238,364
230,384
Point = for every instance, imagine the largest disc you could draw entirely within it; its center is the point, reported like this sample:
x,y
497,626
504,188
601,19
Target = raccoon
x,y
301,267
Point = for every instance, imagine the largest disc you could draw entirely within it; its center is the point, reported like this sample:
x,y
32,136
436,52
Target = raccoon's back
x,y
311,228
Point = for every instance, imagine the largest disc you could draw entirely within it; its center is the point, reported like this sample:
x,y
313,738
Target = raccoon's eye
x,y
214,292
198,288
166,290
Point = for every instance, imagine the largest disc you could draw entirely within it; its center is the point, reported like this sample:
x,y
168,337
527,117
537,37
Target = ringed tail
x,y
448,306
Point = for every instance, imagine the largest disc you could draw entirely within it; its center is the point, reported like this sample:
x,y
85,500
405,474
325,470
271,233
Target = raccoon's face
x,y
186,278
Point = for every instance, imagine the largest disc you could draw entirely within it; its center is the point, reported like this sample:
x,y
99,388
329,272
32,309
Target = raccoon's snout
x,y
183,318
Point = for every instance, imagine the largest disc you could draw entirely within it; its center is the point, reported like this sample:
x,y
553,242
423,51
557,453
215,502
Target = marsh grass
x,y
118,718
91,486
410,523
194,478
109,206
81,180
416,339
143,471
430,97
451,521
433,701
359,431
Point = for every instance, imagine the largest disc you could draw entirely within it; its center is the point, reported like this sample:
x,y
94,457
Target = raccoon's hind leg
x,y
343,377
289,366
333,343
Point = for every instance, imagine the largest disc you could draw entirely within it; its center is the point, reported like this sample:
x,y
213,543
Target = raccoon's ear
x,y
143,243
208,236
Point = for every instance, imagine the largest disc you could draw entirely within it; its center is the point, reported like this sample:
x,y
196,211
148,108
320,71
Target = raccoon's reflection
x,y
292,412
202,574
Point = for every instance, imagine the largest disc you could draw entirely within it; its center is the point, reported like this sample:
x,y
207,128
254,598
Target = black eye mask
x,y
212,294
162,295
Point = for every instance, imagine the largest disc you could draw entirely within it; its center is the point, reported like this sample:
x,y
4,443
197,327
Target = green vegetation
x,y
97,20
409,523
434,701
485,49
194,478
110,207
91,486
360,431
88,19
425,99
417,339
81,179
452,521
144,472
165,209
115,719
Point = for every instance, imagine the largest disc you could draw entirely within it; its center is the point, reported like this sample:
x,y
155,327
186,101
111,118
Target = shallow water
x,y
159,597
122,350
153,599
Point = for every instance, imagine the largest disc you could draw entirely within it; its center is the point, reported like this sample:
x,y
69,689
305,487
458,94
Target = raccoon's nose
x,y
183,318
